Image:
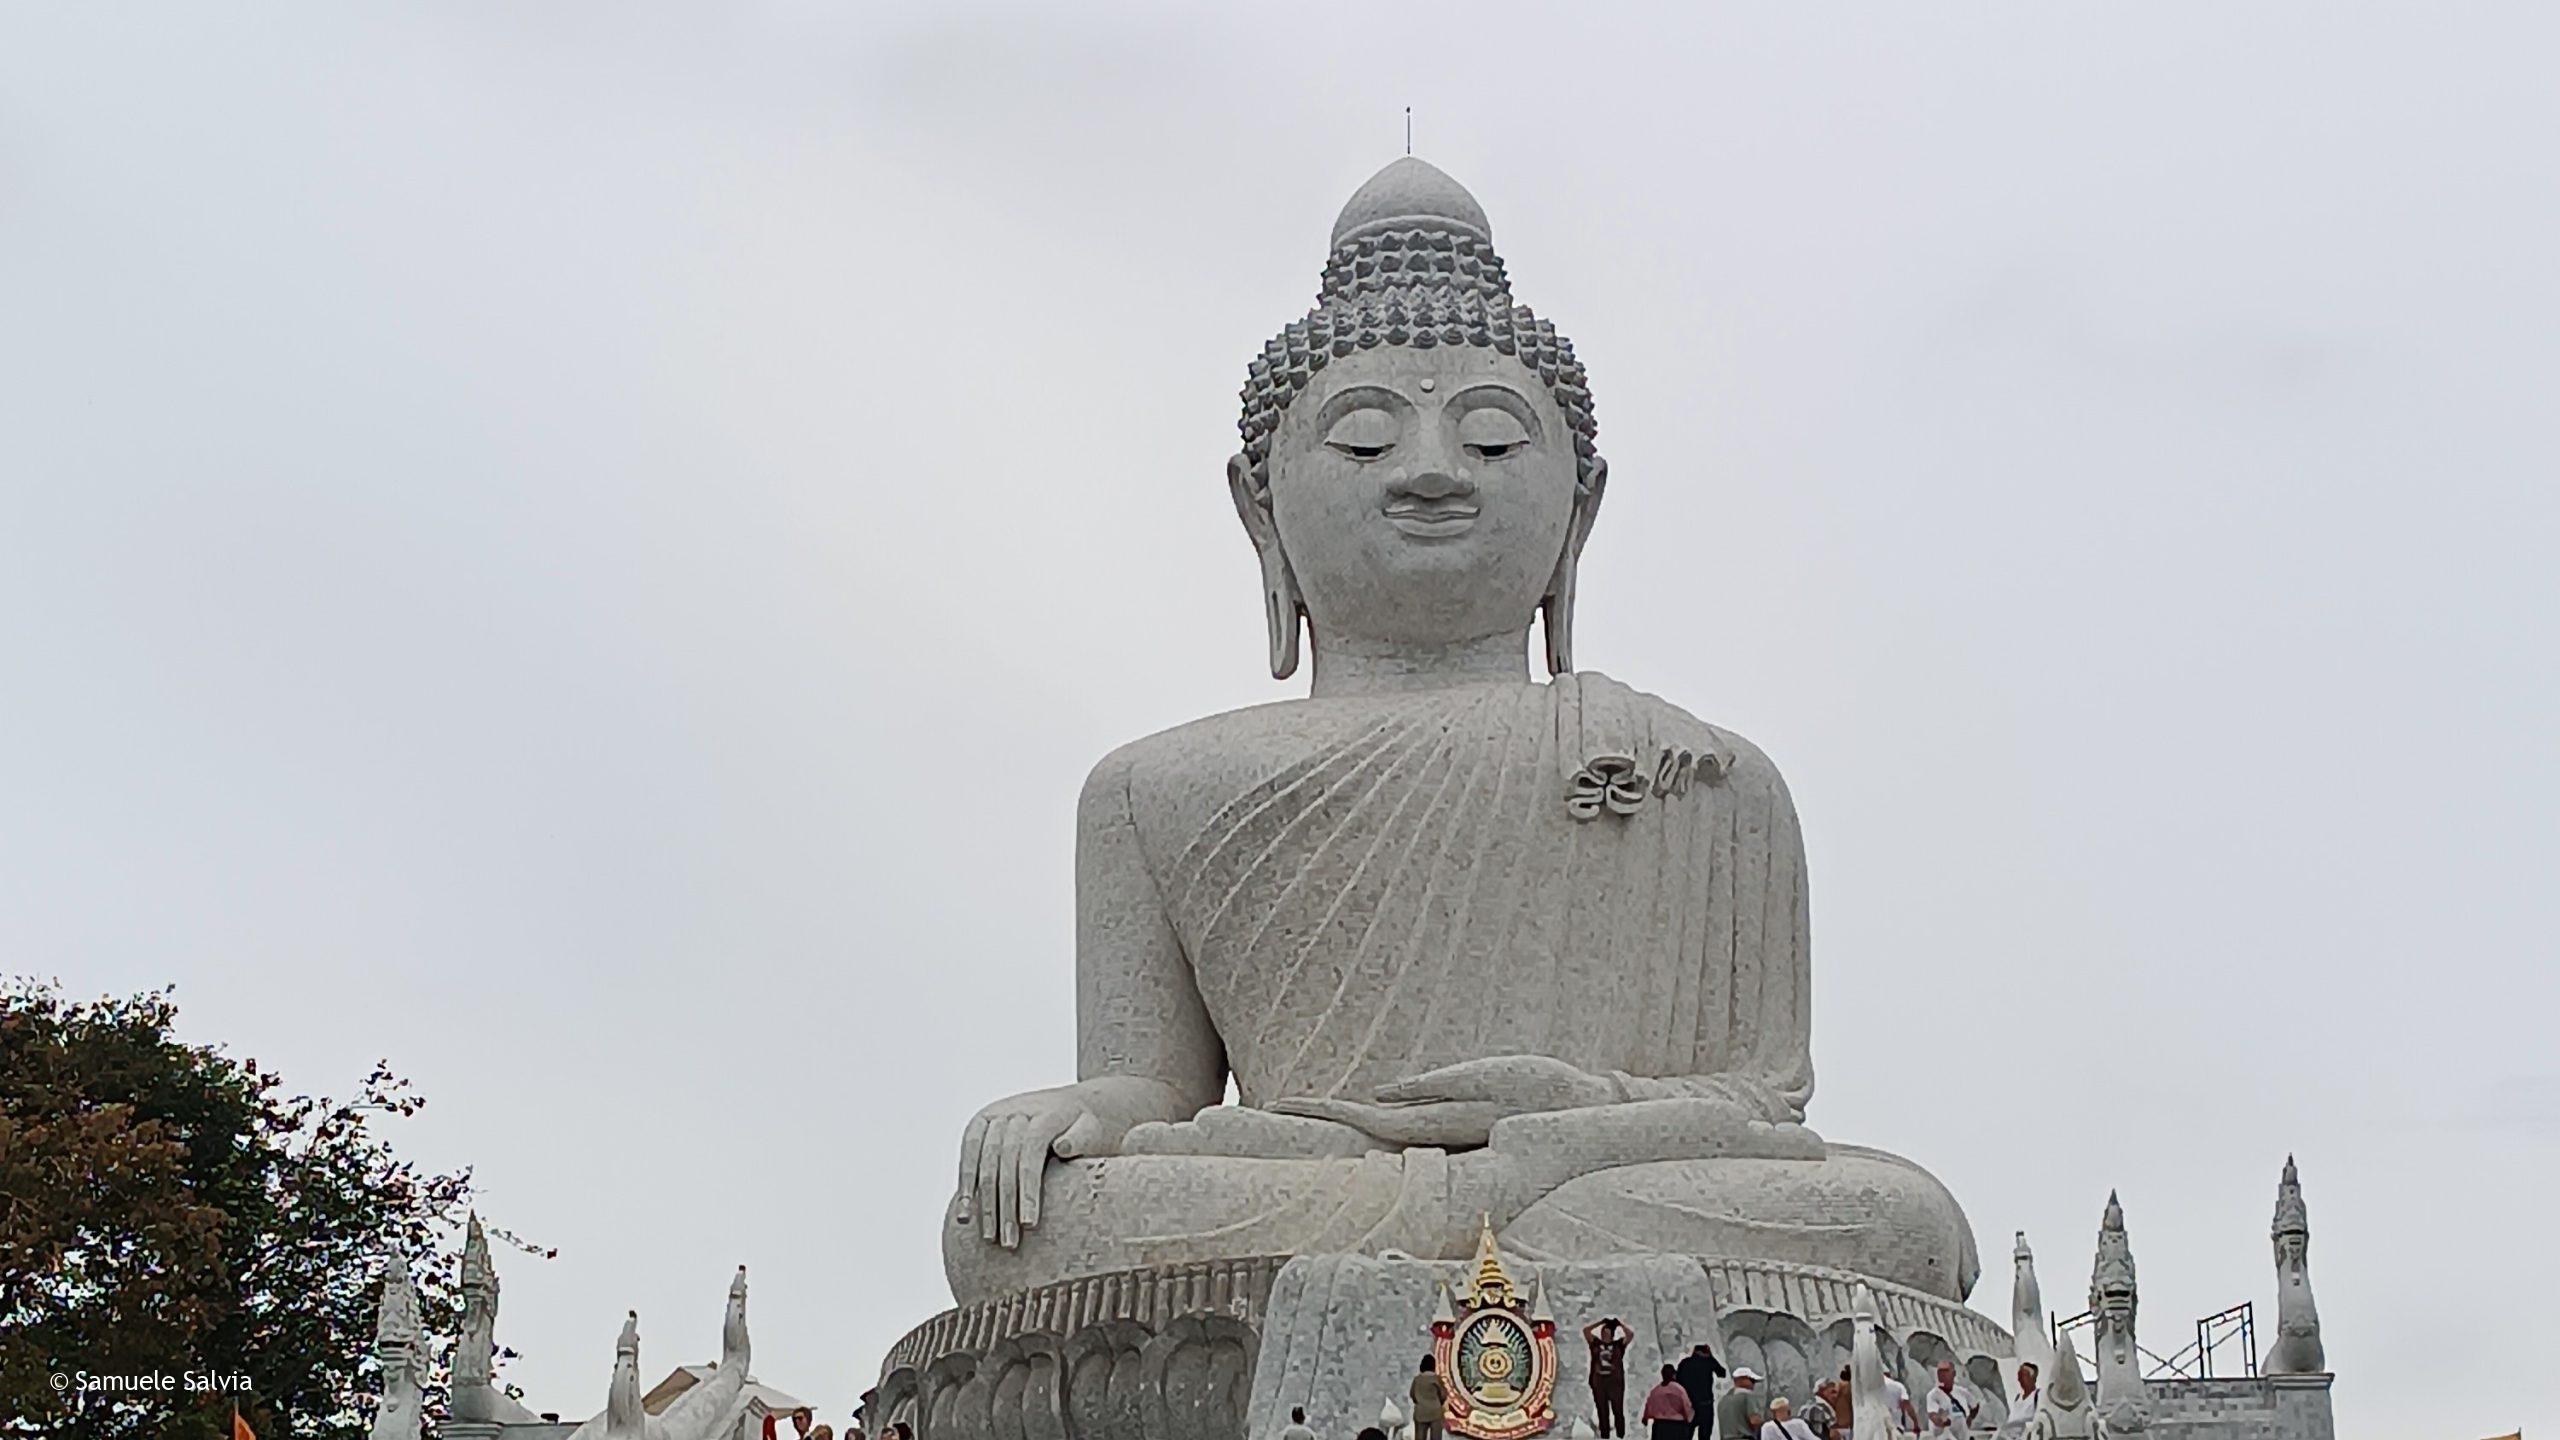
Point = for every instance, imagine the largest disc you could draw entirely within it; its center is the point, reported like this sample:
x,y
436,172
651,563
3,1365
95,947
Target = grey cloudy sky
x,y
587,549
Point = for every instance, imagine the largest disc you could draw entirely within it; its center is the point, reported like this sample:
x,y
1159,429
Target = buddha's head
x,y
1418,469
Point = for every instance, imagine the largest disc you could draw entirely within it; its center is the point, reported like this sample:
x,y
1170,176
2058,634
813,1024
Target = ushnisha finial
x,y
1411,194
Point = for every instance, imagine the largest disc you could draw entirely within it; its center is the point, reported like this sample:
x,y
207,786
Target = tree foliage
x,y
168,1210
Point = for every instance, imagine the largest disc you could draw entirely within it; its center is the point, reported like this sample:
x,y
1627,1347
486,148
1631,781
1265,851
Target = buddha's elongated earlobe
x,y
1556,614
1281,606
1556,610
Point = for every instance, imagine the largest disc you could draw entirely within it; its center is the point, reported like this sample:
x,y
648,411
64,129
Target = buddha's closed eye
x,y
1363,434
1492,433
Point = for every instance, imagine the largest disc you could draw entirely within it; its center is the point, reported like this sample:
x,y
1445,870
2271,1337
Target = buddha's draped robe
x,y
1402,883
1366,888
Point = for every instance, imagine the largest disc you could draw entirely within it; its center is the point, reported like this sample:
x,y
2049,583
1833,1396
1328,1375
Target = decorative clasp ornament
x,y
1607,782
1618,785
1496,1354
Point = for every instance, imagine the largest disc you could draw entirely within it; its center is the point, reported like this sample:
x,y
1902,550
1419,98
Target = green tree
x,y
168,1210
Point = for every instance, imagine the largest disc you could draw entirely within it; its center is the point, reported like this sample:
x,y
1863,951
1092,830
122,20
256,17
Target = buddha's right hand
x,y
1009,1144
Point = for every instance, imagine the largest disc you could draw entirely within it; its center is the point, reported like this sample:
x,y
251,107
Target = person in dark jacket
x,y
1699,1372
1430,1400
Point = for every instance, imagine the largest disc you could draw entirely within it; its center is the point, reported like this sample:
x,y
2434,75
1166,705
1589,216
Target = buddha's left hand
x,y
1455,1106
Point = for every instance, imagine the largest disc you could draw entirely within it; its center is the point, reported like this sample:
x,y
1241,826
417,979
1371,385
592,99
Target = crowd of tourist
x,y
1687,1405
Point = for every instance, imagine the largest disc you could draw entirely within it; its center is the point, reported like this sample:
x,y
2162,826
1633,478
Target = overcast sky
x,y
587,550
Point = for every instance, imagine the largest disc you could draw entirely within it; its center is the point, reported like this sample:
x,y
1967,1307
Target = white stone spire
x,y
2297,1349
1871,1412
2123,1400
2027,1323
400,1348
475,1351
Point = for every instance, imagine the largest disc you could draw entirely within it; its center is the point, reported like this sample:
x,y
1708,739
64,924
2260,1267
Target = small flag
x,y
240,1428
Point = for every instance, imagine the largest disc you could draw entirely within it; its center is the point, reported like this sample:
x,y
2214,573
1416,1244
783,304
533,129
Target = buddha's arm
x,y
1145,1048
1138,1010
1754,1029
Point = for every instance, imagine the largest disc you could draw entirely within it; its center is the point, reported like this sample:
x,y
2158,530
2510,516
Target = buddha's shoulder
x,y
1226,752
1740,762
1233,744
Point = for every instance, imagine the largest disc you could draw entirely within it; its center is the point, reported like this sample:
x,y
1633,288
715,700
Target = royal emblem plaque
x,y
1496,1354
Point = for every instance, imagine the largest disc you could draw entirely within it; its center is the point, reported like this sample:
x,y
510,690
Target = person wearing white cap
x,y
1738,1414
1782,1423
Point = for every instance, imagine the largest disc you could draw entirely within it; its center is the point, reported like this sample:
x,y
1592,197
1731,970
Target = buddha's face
x,y
1422,497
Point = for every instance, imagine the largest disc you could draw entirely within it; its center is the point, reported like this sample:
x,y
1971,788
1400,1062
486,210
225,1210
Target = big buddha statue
x,y
1469,943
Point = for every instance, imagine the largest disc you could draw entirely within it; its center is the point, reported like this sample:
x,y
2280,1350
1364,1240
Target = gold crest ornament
x,y
1496,1354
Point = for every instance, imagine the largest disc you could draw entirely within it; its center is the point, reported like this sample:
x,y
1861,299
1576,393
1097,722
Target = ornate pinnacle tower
x,y
2122,1398
400,1347
2297,1350
476,1407
476,1349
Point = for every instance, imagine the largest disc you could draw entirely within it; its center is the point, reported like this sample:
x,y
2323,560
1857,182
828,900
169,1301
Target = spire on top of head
x,y
1411,194
1414,238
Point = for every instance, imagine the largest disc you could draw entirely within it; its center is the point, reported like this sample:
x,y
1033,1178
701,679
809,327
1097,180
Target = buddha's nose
x,y
1431,478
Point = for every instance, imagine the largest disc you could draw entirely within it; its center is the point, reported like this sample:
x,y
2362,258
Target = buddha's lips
x,y
1432,519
